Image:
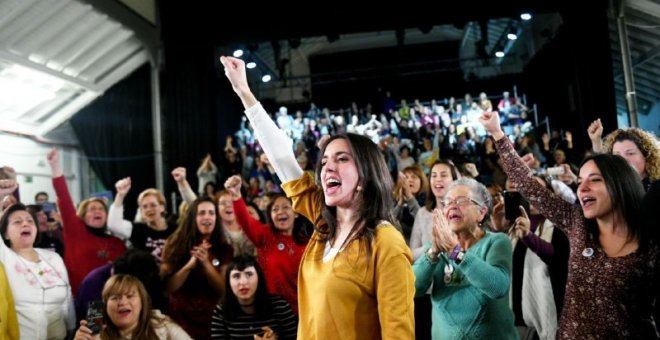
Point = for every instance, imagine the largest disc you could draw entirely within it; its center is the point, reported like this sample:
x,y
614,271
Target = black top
x,y
149,239
282,321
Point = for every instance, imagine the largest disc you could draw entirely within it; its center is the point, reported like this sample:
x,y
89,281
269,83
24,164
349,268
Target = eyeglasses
x,y
459,201
225,203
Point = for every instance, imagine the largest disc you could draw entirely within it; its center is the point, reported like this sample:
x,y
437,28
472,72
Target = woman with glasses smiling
x,y
151,232
469,267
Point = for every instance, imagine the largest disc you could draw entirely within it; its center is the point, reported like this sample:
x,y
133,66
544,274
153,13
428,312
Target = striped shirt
x,y
281,320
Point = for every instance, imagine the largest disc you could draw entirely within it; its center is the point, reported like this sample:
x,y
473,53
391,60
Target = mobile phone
x,y
512,201
95,316
48,207
555,171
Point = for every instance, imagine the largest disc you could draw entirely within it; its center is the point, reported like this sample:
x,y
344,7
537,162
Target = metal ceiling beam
x,y
645,6
147,33
628,76
647,56
642,92
41,68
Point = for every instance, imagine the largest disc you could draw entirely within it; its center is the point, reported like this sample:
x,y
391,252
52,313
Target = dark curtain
x,y
571,79
199,109
115,133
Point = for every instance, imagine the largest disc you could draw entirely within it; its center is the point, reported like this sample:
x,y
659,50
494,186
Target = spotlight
x,y
499,54
525,16
266,78
251,65
238,53
511,36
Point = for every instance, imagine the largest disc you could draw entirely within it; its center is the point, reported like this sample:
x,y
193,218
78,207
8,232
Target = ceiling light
x,y
266,78
251,65
499,54
511,36
525,16
238,53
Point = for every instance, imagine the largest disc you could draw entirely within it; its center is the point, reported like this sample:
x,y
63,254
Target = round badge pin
x,y
449,270
280,246
587,252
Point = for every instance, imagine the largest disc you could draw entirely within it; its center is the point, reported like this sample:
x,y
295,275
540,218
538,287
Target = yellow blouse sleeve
x,y
395,285
306,196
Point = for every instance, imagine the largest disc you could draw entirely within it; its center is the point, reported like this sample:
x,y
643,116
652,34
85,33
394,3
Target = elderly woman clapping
x,y
469,267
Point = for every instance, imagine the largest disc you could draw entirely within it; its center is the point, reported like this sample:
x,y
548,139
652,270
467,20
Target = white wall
x,y
28,158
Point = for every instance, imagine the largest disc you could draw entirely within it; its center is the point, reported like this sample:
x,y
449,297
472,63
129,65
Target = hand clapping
x,y
444,238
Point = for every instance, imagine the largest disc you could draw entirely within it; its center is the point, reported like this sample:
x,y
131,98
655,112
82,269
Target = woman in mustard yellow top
x,y
355,279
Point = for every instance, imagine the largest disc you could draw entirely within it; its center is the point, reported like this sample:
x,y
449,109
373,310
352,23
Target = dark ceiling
x,y
206,23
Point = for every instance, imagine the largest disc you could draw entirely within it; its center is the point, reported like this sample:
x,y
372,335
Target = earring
x,y
359,188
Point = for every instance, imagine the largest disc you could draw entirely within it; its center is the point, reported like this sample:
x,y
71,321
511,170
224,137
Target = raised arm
x,y
116,223
179,175
67,208
253,229
276,144
595,132
548,203
7,187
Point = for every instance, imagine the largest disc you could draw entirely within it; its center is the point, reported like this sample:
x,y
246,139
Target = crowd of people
x,y
394,226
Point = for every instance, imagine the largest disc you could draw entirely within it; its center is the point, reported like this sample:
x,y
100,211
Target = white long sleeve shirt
x,y
275,143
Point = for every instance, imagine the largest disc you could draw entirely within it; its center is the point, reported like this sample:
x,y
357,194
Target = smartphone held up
x,y
95,316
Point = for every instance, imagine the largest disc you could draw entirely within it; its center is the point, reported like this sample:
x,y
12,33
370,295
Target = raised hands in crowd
x,y
595,132
123,186
233,185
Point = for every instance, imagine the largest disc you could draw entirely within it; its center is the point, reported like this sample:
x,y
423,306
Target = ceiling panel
x,y
68,50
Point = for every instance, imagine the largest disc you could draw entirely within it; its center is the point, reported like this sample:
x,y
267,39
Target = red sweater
x,y
278,255
83,251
